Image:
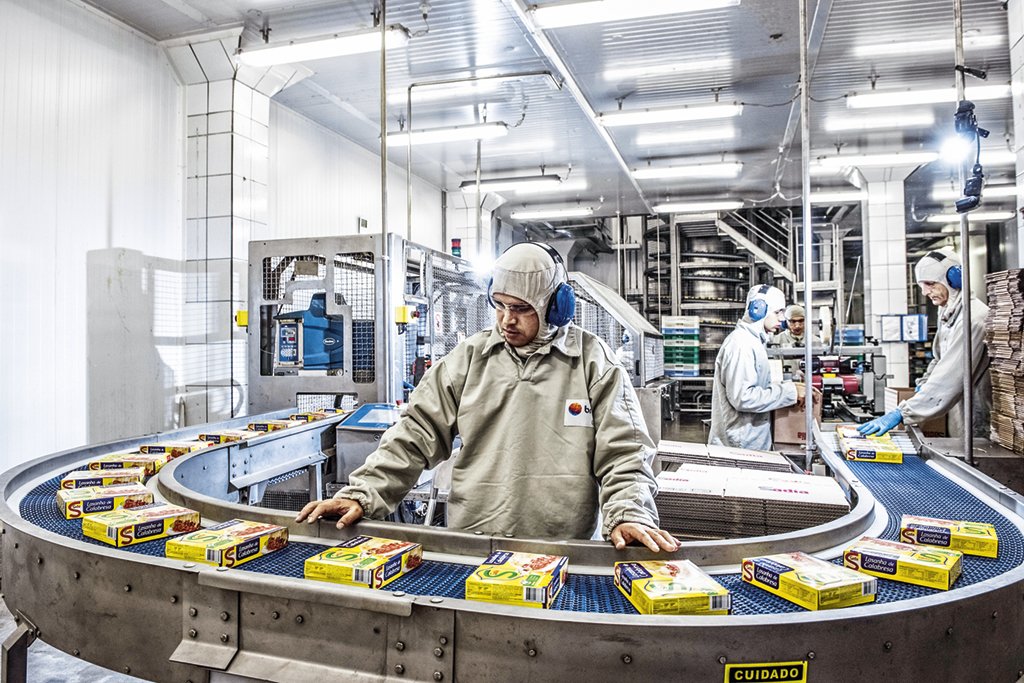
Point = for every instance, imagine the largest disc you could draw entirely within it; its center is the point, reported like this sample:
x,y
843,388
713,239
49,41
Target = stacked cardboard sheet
x,y
706,501
721,456
1003,336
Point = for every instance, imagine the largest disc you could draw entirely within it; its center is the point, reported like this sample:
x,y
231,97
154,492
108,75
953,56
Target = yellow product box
x,y
125,527
809,582
173,449
970,538
868,448
930,567
670,587
76,503
149,462
272,425
79,479
310,416
365,561
523,579
228,544
228,435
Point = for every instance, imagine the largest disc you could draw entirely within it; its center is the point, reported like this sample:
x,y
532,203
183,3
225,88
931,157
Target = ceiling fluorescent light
x,y
975,216
699,112
728,169
903,98
518,184
322,47
944,192
691,66
474,131
597,11
838,197
921,47
839,124
685,136
892,159
697,207
997,157
575,212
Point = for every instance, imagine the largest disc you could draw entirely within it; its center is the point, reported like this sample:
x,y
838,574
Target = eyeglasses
x,y
514,309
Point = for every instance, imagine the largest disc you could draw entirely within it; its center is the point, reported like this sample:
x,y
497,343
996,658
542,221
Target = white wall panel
x,y
90,161
321,183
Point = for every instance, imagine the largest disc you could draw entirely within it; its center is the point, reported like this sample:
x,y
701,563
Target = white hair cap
x,y
772,296
795,311
934,265
526,271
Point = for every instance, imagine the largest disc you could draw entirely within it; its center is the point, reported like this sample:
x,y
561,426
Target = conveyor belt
x,y
910,488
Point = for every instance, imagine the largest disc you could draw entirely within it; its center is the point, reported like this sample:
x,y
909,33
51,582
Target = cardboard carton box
x,y
670,587
789,425
364,561
893,397
523,579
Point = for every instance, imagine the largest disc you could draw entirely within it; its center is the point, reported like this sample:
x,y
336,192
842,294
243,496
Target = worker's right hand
x,y
349,510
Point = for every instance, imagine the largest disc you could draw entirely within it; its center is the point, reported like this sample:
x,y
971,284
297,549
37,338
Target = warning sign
x,y
768,672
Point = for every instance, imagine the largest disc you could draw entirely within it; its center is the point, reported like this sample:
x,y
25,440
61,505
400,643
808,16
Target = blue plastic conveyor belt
x,y
910,488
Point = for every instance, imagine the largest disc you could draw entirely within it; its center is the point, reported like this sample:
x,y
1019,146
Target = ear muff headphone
x,y
954,274
562,303
757,309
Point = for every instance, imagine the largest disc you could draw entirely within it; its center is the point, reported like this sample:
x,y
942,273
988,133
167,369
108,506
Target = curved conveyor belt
x,y
263,620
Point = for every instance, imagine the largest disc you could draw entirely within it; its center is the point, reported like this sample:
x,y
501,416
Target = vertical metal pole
x,y
965,259
386,314
408,162
805,167
479,201
14,664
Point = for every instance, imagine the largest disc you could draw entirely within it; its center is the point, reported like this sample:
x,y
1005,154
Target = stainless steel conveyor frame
x,y
167,620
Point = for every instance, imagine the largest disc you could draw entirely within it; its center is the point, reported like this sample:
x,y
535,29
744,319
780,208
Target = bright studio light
x,y
698,207
728,169
475,131
322,47
531,214
562,14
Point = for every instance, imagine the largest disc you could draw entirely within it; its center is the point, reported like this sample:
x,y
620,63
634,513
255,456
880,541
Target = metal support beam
x,y
758,252
14,667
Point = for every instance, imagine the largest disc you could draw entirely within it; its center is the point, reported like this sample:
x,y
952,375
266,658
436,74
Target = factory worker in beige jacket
x,y
550,425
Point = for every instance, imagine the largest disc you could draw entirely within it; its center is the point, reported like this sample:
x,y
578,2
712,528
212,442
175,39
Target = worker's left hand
x,y
881,425
654,539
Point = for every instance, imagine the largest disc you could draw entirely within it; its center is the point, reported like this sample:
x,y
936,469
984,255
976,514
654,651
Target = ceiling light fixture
x,y
691,66
902,98
322,47
684,137
920,47
519,184
698,207
473,131
699,112
727,169
839,124
597,11
838,197
973,217
891,159
943,192
575,212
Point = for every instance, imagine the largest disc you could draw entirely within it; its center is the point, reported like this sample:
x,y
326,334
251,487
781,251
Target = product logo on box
x,y
875,563
353,542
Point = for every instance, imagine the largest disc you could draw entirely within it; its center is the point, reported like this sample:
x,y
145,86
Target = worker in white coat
x,y
551,427
939,391
793,335
744,395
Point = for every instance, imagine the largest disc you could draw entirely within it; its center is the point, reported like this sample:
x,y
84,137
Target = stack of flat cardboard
x,y
1004,330
682,452
706,502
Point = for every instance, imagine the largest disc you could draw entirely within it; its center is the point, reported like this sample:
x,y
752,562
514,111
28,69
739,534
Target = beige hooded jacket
x,y
547,441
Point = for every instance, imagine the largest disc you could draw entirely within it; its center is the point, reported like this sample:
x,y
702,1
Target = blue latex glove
x,y
881,425
917,388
